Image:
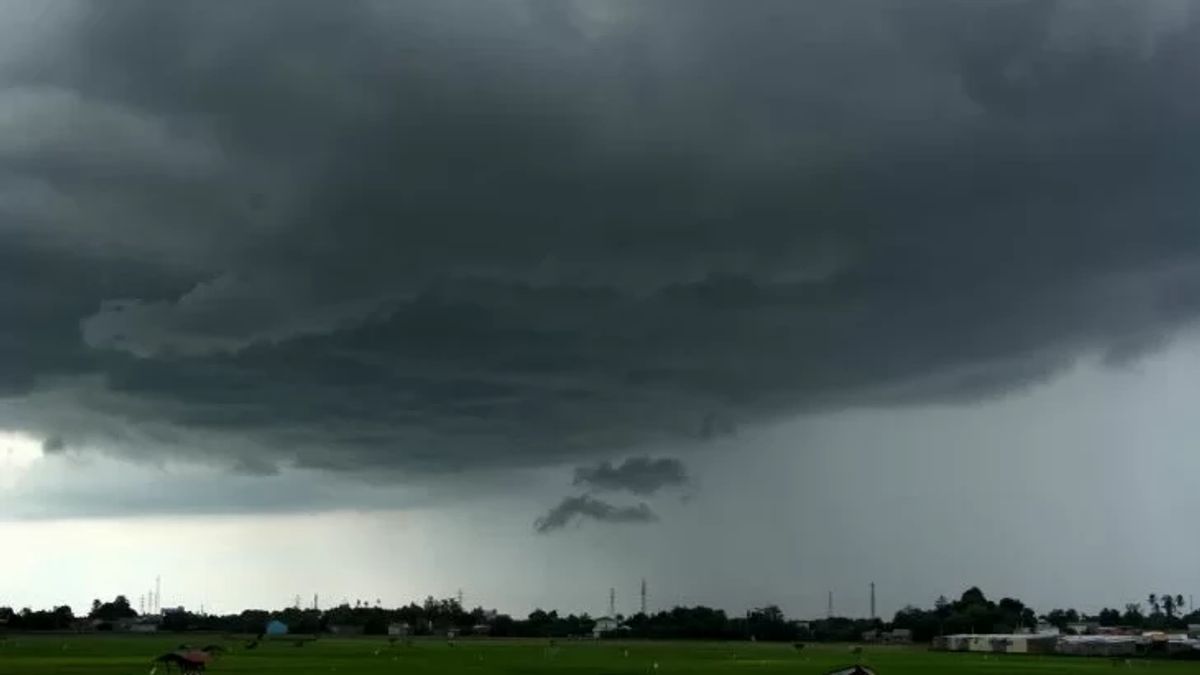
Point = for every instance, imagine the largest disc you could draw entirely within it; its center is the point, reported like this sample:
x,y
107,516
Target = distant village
x,y
973,623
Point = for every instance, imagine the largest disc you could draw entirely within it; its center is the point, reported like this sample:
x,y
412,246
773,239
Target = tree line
x,y
975,613
972,612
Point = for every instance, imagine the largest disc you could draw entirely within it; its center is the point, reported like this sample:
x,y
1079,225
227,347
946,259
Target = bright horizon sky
x,y
1051,491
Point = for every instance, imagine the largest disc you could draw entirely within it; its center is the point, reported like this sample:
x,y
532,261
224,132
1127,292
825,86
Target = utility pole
x,y
872,600
829,610
643,595
158,595
612,603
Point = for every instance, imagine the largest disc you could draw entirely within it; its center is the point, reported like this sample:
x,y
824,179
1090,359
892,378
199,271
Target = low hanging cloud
x,y
642,476
586,507
390,240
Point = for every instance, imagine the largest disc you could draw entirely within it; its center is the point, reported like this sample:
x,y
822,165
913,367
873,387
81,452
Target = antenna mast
x,y
643,595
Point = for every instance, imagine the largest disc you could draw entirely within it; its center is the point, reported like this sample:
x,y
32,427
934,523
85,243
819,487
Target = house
x,y
997,642
1046,628
1083,628
141,624
398,629
1194,630
898,636
1102,645
481,629
345,629
276,627
605,625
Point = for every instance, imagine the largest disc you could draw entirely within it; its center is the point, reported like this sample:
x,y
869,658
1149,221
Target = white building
x,y
605,625
1002,642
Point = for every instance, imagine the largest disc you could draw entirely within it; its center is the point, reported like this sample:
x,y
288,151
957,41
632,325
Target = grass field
x,y
118,655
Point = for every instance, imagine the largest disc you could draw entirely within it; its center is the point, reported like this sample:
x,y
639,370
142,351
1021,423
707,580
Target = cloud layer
x,y
642,476
400,240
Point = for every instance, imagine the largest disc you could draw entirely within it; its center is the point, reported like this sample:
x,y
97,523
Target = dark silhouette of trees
x,y
971,612
112,611
1133,616
1168,605
59,618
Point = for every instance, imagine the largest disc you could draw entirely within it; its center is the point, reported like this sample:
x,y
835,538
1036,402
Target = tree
x,y
769,623
972,596
1168,605
1060,618
1152,600
1109,617
111,611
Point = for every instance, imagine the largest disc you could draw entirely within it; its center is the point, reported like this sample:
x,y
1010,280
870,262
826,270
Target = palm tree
x,y
1168,603
1179,603
1153,600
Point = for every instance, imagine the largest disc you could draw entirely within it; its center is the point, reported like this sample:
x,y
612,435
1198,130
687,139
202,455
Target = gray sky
x,y
538,298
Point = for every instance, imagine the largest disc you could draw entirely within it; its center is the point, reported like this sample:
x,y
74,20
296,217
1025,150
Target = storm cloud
x,y
406,239
639,475
586,507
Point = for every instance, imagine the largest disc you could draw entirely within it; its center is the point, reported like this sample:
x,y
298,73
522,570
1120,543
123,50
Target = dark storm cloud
x,y
393,238
639,475
586,507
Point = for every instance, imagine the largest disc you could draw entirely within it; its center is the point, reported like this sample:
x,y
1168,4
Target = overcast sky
x,y
537,298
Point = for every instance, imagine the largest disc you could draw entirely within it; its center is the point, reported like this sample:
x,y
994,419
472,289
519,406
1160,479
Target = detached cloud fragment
x,y
642,476
639,475
586,507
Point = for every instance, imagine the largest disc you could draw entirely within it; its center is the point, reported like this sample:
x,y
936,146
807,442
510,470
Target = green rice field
x,y
131,655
